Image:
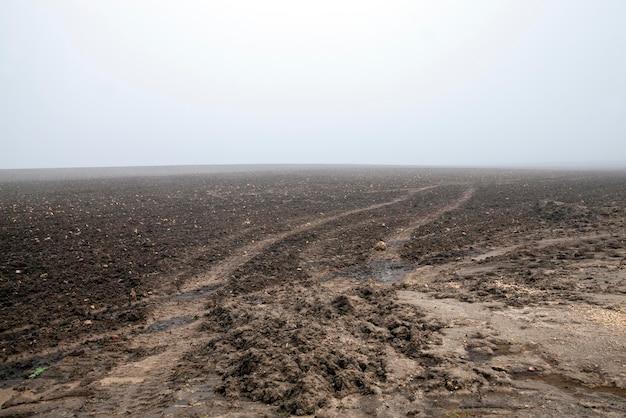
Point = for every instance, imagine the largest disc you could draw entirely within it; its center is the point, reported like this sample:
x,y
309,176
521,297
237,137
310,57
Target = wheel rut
x,y
144,386
140,386
496,293
388,266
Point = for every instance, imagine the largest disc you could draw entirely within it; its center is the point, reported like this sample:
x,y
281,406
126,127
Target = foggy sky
x,y
472,83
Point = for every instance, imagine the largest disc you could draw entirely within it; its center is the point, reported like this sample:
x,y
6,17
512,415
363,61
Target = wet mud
x,y
268,293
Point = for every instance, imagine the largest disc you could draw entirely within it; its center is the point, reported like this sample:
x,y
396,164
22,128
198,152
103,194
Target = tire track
x,y
388,265
140,386
406,233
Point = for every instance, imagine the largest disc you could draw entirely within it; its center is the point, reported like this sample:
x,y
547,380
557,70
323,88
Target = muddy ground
x,y
497,293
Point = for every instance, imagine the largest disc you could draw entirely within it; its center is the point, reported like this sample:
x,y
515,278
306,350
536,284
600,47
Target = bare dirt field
x,y
269,293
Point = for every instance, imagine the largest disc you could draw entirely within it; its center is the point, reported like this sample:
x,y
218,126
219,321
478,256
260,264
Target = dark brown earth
x,y
267,293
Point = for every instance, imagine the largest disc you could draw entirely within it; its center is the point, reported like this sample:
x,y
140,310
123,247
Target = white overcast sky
x,y
441,82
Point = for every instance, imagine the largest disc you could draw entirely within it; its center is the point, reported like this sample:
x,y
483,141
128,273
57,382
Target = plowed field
x,y
269,292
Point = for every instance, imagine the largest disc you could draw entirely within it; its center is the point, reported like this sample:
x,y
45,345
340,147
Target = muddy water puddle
x,y
384,271
195,294
569,385
481,355
389,272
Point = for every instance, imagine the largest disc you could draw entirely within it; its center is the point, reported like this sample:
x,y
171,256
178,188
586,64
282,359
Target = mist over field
x,y
507,83
312,208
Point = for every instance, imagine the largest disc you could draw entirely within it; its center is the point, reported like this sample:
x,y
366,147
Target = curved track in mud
x,y
169,332
139,386
273,308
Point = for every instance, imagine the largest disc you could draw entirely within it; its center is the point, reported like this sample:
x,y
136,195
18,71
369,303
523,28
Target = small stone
x,y
87,322
531,369
380,246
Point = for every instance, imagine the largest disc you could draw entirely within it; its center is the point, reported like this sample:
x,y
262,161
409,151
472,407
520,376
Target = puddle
x,y
387,272
167,324
384,271
195,294
569,385
16,370
476,355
